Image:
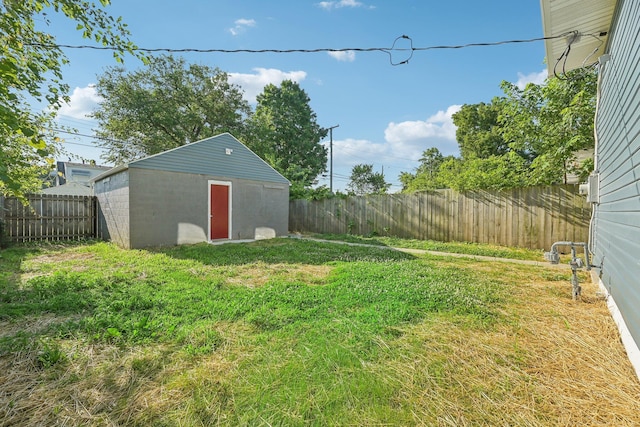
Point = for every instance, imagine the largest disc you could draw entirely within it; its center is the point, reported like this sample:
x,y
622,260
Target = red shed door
x,y
219,211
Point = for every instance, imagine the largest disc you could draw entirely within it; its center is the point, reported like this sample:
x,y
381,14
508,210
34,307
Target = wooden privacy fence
x,y
48,217
533,217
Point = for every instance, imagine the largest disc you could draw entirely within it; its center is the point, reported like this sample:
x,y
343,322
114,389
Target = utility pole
x,y
331,157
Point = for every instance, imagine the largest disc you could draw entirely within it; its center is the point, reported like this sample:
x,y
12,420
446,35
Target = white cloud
x,y
350,152
328,5
254,83
83,101
404,144
344,55
536,78
410,138
241,26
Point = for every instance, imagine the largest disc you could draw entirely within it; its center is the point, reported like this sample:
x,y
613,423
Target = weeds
x,y
50,354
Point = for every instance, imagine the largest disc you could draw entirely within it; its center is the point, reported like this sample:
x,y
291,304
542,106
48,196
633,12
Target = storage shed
x,y
207,190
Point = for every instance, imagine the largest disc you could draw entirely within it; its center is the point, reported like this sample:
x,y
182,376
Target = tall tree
x,y
167,104
285,133
364,180
528,137
477,131
31,65
551,122
427,174
430,161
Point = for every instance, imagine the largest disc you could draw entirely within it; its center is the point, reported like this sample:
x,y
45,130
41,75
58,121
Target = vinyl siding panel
x,y
209,157
616,236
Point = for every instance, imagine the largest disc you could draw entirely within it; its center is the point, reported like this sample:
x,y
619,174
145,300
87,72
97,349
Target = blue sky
x,y
387,115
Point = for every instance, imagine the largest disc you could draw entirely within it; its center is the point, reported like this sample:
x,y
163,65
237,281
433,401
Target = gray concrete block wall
x,y
167,208
113,208
143,207
258,208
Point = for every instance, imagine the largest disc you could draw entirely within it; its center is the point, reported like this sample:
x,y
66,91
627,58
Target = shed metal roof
x,y
590,18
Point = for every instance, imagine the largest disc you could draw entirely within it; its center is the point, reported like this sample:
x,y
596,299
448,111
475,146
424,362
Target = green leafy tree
x,y
551,122
285,133
31,66
427,174
493,173
167,104
407,179
25,158
478,132
298,192
364,180
430,162
529,137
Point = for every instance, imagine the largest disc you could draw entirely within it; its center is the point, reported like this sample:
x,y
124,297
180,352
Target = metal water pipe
x,y
576,263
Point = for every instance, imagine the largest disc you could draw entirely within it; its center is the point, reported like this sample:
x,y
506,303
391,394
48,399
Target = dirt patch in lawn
x,y
75,260
61,256
258,274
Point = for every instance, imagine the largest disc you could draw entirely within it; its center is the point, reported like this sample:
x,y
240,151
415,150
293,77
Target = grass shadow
x,y
281,251
11,261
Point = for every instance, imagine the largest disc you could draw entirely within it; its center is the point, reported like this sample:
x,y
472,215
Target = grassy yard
x,y
294,332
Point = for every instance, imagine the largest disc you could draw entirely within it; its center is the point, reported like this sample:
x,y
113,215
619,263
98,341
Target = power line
x,y
76,122
87,136
80,144
388,50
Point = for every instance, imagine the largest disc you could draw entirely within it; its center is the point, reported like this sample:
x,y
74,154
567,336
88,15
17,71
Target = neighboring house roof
x,y
69,189
590,18
77,172
222,155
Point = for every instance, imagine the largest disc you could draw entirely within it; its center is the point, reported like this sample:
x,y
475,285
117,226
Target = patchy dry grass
x,y
260,273
332,338
554,361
